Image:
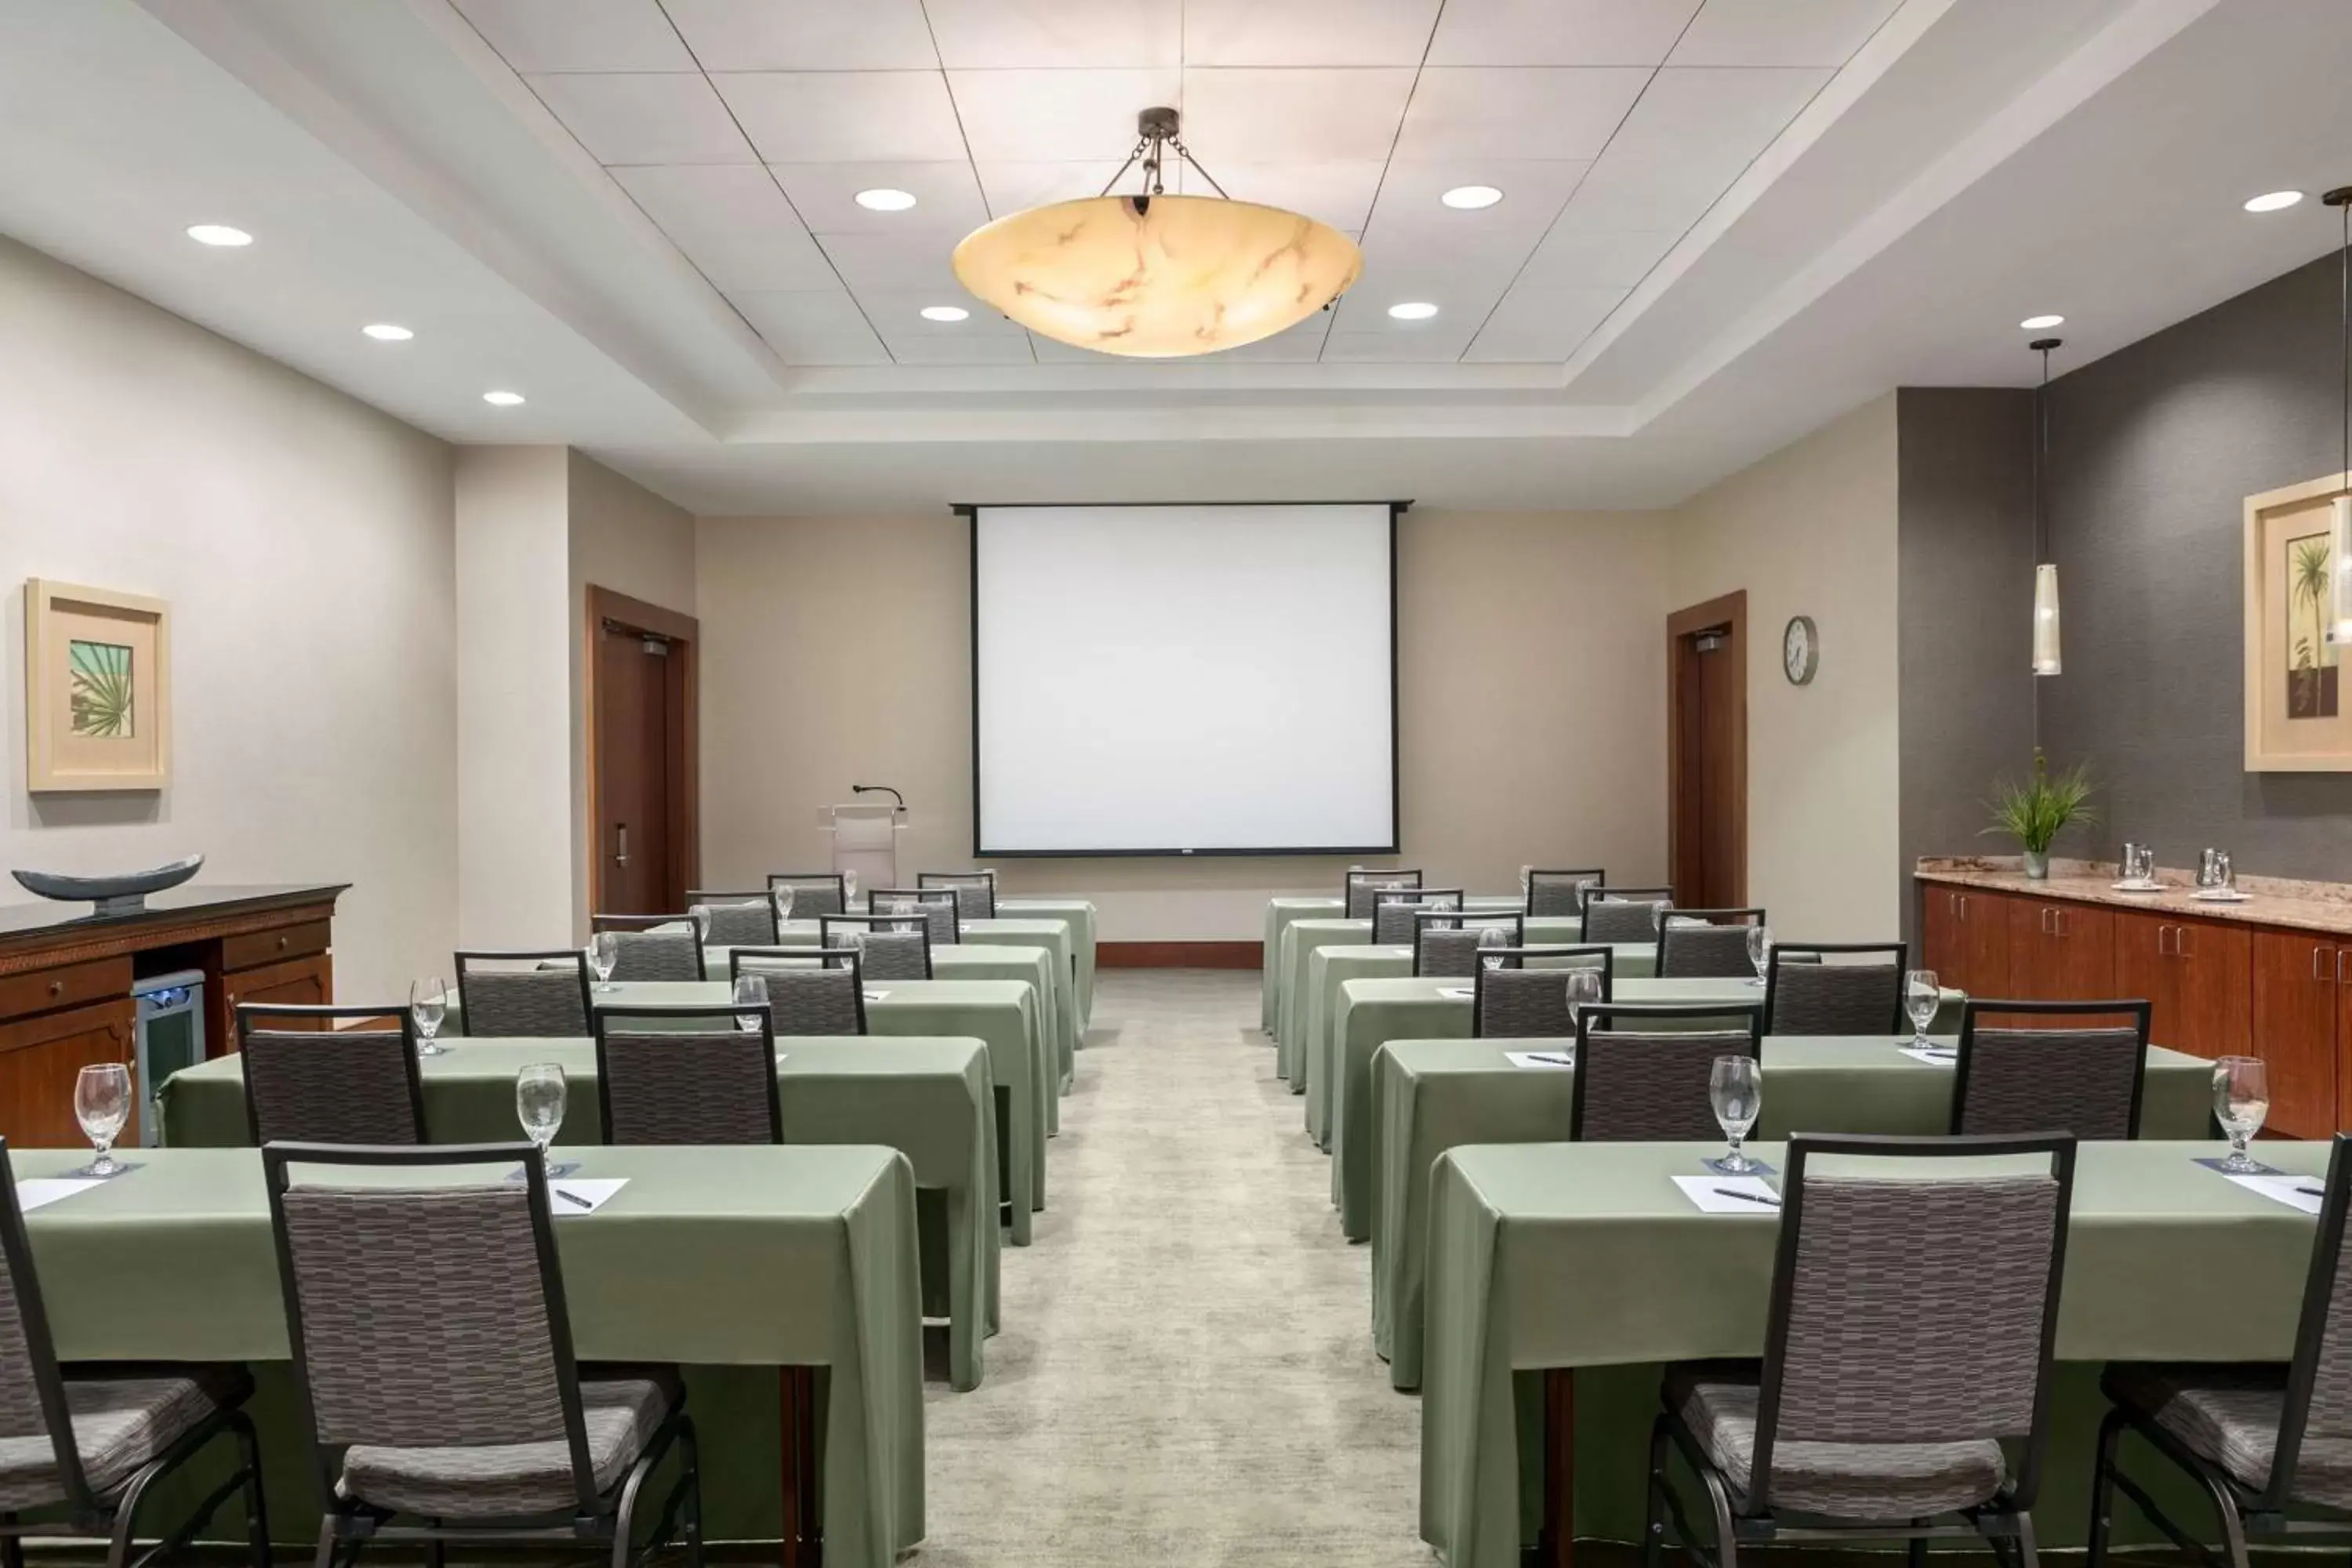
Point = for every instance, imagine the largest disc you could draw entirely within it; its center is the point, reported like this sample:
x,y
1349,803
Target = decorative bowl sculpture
x,y
123,895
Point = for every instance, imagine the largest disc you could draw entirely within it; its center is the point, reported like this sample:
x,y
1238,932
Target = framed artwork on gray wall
x,y
2298,708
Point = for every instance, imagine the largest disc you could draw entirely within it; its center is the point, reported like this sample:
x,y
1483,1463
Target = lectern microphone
x,y
880,789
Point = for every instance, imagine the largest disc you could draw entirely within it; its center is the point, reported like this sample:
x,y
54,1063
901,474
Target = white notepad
x,y
1933,1058
592,1192
2296,1192
1555,1060
39,1192
1460,992
1706,1195
876,996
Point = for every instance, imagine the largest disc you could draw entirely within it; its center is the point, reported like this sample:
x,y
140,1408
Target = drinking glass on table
x,y
429,1004
750,993
102,1105
1759,949
1922,995
1492,941
1527,877
1583,986
540,1093
1736,1088
902,905
2242,1100
848,890
782,896
603,953
701,915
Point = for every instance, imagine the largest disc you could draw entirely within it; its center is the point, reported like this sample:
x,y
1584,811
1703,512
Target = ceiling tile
x,y
1714,112
711,200
579,34
1308,32
806,34
1541,325
1339,194
1276,115
875,262
1474,112
645,119
1559,32
813,117
812,327
1570,259
1646,195
898,314
1301,345
1056,116
746,262
940,347
1437,345
947,198
1533,193
1016,188
1781,32
1462,295
1076,34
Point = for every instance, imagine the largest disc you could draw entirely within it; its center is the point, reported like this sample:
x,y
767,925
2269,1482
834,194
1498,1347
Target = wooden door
x,y
1979,952
2059,952
641,755
2144,968
2211,993
1707,752
40,1057
1943,944
2295,1004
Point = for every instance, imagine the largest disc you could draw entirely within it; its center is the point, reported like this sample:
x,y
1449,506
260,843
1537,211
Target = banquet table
x,y
1079,915
931,1099
1305,930
1002,1015
1430,1096
1546,1257
732,1262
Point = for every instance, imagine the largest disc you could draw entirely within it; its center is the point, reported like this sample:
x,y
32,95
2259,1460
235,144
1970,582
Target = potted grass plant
x,y
2035,812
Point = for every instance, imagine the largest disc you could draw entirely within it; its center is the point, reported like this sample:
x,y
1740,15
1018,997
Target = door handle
x,y
2318,951
621,852
2180,948
2159,940
2339,965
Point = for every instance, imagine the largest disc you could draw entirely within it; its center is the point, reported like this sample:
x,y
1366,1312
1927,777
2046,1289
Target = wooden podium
x,y
865,841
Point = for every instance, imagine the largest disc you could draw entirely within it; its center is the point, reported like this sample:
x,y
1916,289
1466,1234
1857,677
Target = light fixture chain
x,y
1123,168
1186,154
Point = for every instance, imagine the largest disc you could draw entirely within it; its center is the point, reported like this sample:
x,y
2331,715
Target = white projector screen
x,y
1183,680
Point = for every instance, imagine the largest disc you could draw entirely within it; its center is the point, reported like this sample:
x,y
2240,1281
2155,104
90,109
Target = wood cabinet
x,y
2196,976
300,982
2299,1008
40,1058
1964,939
2059,952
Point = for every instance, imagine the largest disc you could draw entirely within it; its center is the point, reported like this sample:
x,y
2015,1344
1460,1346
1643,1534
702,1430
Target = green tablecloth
x,y
1586,1255
1001,1014
1304,934
1279,913
1430,1096
719,1259
1079,915
932,1100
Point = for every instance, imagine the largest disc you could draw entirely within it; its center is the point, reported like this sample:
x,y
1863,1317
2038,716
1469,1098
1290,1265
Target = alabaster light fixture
x,y
2045,572
1153,276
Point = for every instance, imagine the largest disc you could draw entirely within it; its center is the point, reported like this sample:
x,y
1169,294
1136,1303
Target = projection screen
x,y
1183,680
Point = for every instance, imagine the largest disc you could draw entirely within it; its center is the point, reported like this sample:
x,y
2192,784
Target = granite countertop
x,y
2276,902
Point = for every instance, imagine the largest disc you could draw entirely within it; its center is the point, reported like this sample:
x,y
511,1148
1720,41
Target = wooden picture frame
x,y
98,689
2298,697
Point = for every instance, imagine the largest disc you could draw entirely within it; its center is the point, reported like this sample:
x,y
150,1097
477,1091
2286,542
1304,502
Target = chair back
x,y
815,893
1393,913
32,1387
1556,893
888,947
645,952
943,907
1625,914
713,1082
738,919
1356,891
2318,1402
1445,942
315,1083
1913,1306
1520,1000
2085,1080
1650,1084
975,891
506,994
424,1316
1835,988
811,990
1707,944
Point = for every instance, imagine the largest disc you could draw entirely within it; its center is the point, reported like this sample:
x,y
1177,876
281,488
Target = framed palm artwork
x,y
98,689
2298,717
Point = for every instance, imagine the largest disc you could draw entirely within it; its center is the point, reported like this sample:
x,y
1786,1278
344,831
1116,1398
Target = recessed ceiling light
x,y
2274,201
1413,311
1471,198
945,313
883,199
2042,323
219,234
502,399
385,332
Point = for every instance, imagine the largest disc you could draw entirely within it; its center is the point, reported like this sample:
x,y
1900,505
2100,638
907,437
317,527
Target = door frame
x,y
1730,611
685,635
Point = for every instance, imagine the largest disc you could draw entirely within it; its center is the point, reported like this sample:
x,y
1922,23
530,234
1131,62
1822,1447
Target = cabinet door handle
x,y
2180,948
621,846
2159,940
2316,954
2339,965
1959,906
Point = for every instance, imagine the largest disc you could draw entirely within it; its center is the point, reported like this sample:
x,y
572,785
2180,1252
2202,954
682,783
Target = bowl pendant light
x,y
2045,572
2339,531
1154,276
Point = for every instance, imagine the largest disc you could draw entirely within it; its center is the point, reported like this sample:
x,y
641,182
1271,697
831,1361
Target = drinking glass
x,y
603,953
1735,1086
701,915
781,893
902,905
1492,940
1583,986
1922,995
848,891
750,991
2242,1099
539,1092
1658,915
1527,876
429,1004
1759,949
102,1104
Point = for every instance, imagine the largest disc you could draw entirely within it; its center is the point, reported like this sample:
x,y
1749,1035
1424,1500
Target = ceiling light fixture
x,y
502,399
2045,570
1470,198
945,313
1413,311
2042,323
385,332
219,234
2339,531
2274,201
1152,276
883,199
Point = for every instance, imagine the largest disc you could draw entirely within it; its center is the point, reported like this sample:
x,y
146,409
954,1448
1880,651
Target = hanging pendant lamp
x,y
1152,276
2045,570
2339,531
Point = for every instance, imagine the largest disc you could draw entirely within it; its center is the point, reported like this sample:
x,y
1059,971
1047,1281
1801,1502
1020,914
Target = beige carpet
x,y
1185,1374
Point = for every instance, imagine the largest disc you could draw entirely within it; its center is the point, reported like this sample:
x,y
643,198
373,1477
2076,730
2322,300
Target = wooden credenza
x,y
65,979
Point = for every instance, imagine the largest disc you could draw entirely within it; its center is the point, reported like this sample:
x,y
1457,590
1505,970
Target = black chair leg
x,y
1727,1539
257,1509
2102,1490
2028,1554
328,1545
693,1455
12,1547
1916,1549
1654,1520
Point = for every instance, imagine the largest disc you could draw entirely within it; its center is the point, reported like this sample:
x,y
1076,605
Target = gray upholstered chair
x,y
1561,893
2267,1441
888,947
2084,1080
532,993
1835,988
714,1083
1707,944
737,919
1393,913
1649,1084
1624,915
1445,942
1524,996
975,891
649,951
433,1367
1911,1331
1356,893
313,1081
81,1447
943,907
815,893
811,990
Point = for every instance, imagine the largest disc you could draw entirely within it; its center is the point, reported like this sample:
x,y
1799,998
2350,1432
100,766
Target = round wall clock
x,y
1800,650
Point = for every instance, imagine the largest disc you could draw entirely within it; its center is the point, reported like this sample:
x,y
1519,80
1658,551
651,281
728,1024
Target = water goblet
x,y
603,953
429,1004
1922,995
102,1105
2242,1100
1583,988
1492,941
848,890
701,915
540,1093
751,992
782,895
1735,1087
1759,949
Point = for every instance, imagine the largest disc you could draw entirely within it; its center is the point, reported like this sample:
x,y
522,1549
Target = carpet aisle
x,y
1186,1373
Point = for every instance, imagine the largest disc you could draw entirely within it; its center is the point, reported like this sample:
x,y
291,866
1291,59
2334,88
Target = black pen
x,y
573,1197
1747,1197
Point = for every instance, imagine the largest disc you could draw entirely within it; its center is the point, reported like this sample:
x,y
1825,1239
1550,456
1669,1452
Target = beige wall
x,y
304,544
839,650
1811,530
